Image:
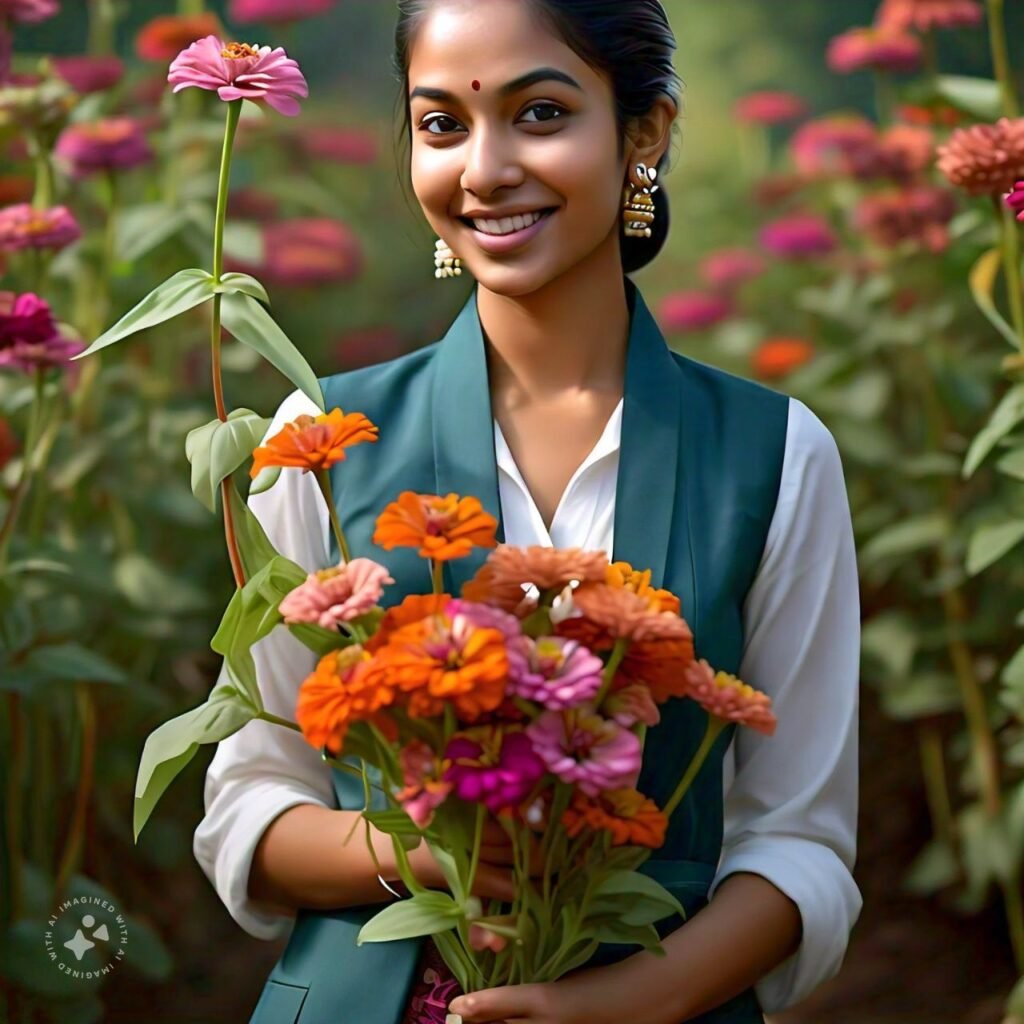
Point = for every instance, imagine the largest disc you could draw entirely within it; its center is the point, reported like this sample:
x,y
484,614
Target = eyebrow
x,y
517,84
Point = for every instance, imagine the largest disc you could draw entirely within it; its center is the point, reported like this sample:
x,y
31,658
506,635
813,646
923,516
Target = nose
x,y
492,162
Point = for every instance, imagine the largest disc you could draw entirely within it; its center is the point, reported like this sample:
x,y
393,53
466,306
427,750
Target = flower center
x,y
238,51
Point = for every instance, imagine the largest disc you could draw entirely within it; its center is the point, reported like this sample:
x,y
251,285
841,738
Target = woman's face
x,y
508,122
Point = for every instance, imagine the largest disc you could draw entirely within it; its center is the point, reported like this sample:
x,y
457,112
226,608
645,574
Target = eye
x,y
552,108
427,123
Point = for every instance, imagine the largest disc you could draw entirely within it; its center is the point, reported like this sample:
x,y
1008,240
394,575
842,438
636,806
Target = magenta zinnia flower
x,y
875,49
28,12
729,268
693,311
112,144
238,71
244,11
799,236
86,74
586,750
339,594
1015,199
554,671
29,336
769,107
423,791
24,227
493,766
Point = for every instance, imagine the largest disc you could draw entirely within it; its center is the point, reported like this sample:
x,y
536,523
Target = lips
x,y
497,244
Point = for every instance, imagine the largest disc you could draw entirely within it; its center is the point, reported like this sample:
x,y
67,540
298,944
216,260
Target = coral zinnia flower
x,y
24,227
626,813
244,11
338,693
314,442
727,698
493,766
925,15
877,49
442,528
445,658
799,236
338,594
586,750
544,567
424,790
769,107
628,615
693,311
1015,199
163,38
729,268
238,71
111,144
985,159
919,214
775,357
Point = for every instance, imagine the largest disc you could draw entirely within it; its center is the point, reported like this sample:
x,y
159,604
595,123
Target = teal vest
x,y
699,470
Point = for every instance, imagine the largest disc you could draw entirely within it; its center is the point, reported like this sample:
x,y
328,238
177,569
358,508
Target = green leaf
x,y
982,280
251,324
617,929
920,695
1012,464
68,662
396,823
934,868
979,97
890,638
905,538
245,283
216,449
178,294
255,549
151,587
426,913
1006,415
265,479
317,639
990,542
142,228
636,898
170,747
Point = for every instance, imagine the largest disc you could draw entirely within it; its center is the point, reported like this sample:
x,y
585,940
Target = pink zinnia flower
x,y
339,594
729,268
693,311
917,214
631,704
238,71
338,145
1015,199
925,15
586,750
424,791
769,107
798,237
306,252
245,11
554,671
985,159
818,147
726,697
86,74
901,153
112,144
493,766
874,49
28,12
24,227
29,336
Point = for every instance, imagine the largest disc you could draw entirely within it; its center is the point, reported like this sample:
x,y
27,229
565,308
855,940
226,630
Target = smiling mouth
x,y
498,227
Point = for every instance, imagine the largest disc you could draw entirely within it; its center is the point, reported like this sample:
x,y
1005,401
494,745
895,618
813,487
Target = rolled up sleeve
x,y
791,798
264,769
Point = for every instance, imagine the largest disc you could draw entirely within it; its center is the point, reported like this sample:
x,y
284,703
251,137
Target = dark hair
x,y
631,41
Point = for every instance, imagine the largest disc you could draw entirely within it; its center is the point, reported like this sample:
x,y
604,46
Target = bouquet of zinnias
x,y
523,700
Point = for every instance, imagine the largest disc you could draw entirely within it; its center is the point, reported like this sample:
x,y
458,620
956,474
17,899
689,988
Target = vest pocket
x,y
279,1004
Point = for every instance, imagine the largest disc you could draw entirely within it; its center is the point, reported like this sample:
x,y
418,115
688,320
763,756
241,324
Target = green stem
x,y
1001,58
933,769
885,97
76,830
223,186
42,198
931,56
478,831
1011,267
102,19
618,653
1015,919
13,810
27,461
266,716
323,478
187,7
715,726
437,576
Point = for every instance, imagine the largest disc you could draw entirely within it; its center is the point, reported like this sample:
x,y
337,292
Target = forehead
x,y
491,40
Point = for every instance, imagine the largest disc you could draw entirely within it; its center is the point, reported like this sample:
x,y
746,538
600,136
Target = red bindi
x,y
476,85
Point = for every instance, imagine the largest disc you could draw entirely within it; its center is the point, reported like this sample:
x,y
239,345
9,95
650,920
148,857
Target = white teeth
x,y
506,225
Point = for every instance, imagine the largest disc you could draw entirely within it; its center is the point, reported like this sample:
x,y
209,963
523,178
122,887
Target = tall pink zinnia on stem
x,y
874,49
238,71
245,11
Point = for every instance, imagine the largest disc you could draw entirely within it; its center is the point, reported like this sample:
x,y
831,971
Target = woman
x,y
555,400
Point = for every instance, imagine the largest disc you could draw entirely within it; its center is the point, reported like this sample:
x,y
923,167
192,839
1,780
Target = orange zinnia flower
x,y
622,574
625,614
776,357
442,528
165,36
626,813
314,442
337,694
414,608
486,587
661,665
430,664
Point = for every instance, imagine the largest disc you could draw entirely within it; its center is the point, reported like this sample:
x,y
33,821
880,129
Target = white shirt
x,y
790,799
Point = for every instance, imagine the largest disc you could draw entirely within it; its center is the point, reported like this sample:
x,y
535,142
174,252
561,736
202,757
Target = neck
x,y
569,336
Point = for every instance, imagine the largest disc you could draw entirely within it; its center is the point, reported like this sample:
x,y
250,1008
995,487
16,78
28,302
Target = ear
x,y
649,135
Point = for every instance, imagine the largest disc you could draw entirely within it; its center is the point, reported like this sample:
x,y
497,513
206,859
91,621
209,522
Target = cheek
x,y
434,176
